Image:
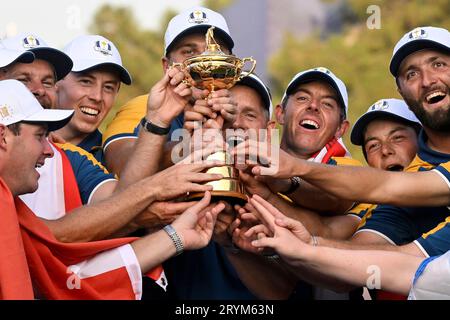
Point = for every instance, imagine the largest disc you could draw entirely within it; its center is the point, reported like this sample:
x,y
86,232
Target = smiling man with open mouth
x,y
90,89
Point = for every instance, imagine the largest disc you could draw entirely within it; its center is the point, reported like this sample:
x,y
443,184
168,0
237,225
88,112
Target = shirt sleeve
x,y
124,123
89,173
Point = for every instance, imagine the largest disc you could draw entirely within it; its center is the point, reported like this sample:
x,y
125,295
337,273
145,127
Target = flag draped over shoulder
x,y
105,269
334,148
15,282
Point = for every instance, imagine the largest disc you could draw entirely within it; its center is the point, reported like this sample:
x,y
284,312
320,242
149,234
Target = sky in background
x,y
60,21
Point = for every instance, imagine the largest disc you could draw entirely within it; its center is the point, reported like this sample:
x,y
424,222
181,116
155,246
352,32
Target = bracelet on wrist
x,y
175,239
153,128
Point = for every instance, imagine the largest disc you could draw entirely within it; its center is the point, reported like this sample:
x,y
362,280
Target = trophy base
x,y
230,197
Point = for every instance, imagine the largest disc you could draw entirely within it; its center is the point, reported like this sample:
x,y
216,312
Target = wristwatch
x,y
175,239
153,128
295,183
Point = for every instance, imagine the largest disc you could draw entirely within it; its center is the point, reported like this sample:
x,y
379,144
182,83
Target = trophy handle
x,y
246,73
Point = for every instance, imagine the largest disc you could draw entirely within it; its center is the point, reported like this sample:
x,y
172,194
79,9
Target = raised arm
x,y
365,184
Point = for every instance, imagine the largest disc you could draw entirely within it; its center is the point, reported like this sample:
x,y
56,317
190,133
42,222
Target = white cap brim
x,y
55,118
85,65
8,56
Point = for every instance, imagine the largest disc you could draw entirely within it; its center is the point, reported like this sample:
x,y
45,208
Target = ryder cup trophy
x,y
215,70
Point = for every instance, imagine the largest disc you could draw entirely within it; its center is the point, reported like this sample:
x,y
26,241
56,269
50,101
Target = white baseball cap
x,y
31,42
419,39
92,51
385,108
254,82
17,104
196,19
320,73
8,56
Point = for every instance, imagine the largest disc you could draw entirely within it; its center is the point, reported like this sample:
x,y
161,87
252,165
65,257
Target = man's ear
x,y
279,114
3,139
342,129
165,63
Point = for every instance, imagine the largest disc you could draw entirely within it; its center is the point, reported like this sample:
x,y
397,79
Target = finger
x,y
255,230
176,76
269,207
192,116
228,116
265,216
204,111
203,177
221,93
202,204
187,92
212,124
266,242
179,207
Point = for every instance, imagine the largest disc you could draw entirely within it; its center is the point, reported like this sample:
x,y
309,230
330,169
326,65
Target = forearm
x,y
312,221
314,198
278,283
103,219
117,154
371,185
154,249
393,271
144,159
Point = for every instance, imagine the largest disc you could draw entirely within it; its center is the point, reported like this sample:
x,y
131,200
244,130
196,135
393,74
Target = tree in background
x,y
141,49
358,55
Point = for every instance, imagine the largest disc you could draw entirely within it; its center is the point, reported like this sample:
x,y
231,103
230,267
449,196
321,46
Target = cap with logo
x,y
324,74
196,19
8,56
385,108
93,51
31,42
419,39
18,104
254,82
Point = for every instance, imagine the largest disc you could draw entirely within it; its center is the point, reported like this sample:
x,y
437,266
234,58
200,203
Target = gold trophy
x,y
215,70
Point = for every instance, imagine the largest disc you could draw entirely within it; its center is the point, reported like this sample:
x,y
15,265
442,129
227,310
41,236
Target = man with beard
x,y
421,66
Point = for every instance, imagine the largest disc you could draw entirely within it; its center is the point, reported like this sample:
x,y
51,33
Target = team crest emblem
x,y
417,33
103,47
380,105
5,112
30,42
322,69
198,17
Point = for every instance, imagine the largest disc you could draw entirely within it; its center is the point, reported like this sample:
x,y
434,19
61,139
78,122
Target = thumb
x,y
202,204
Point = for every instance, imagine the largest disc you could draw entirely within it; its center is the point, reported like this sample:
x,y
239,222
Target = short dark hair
x,y
15,128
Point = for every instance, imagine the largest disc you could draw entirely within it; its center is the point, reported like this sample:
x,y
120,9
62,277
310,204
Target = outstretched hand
x,y
195,225
168,97
288,237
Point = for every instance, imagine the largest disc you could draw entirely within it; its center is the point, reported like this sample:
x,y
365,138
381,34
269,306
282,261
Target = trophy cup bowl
x,y
215,70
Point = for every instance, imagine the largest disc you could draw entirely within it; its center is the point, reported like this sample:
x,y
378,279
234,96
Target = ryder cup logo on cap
x,y
197,19
419,39
198,16
94,51
103,47
5,113
324,74
417,33
395,109
60,62
379,105
30,42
